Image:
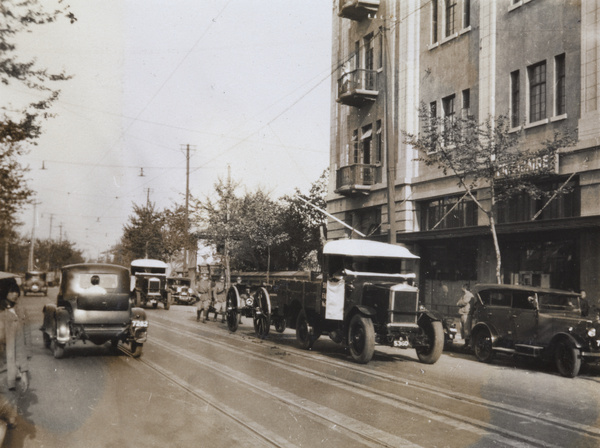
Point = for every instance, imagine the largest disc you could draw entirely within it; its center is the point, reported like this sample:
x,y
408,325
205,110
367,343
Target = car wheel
x,y
261,326
168,302
567,358
58,350
136,349
304,332
231,309
47,340
482,344
435,337
138,299
361,338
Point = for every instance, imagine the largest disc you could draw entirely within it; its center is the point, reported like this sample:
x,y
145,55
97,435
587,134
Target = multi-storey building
x,y
534,61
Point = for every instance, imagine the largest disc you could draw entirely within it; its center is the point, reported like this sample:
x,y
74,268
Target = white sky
x,y
244,82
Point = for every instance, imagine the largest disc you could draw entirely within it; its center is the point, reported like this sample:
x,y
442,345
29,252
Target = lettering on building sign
x,y
542,163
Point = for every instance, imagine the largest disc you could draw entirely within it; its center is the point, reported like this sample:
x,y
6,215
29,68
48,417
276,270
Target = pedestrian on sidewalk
x,y
464,303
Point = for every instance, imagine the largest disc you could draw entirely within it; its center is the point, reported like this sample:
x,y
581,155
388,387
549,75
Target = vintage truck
x,y
364,296
149,283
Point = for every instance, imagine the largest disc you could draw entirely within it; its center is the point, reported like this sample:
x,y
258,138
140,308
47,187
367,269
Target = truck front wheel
x,y
434,330
361,338
305,334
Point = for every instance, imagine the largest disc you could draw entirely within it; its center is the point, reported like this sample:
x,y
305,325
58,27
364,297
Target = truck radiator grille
x,y
403,306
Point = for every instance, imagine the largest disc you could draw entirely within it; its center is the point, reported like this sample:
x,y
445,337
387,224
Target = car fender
x,y
431,315
63,332
563,335
484,326
138,314
49,311
366,311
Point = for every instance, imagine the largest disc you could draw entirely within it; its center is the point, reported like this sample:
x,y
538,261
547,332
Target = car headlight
x,y
249,301
592,332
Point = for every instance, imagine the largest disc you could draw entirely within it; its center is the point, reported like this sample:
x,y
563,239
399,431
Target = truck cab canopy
x,y
148,266
367,248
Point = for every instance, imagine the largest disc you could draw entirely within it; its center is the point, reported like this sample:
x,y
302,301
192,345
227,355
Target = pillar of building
x,y
590,73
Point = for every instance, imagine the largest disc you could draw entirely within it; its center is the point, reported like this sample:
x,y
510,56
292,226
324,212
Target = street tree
x,y
143,235
304,224
488,156
20,124
51,255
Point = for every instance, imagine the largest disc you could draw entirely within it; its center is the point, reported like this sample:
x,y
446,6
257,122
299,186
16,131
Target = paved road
x,y
200,385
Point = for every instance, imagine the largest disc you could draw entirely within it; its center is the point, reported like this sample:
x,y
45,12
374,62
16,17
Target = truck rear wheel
x,y
361,338
435,336
231,309
305,334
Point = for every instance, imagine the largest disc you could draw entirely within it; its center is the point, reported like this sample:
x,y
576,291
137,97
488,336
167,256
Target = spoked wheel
x,y
482,344
361,338
567,359
58,350
434,330
231,308
305,333
136,349
262,313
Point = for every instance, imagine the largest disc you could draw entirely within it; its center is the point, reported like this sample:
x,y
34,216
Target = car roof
x,y
366,248
537,289
4,275
96,267
148,263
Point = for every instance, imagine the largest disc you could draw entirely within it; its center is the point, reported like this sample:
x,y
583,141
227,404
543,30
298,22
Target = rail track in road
x,y
445,399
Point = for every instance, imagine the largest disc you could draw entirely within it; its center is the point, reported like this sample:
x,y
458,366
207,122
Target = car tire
x,y
567,358
361,338
280,325
482,345
231,309
261,325
58,350
435,335
168,302
305,334
136,349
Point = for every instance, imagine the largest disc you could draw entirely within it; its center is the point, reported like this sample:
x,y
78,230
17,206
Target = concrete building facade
x,y
534,61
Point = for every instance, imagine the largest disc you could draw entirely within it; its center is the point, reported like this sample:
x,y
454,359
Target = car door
x,y
495,312
524,317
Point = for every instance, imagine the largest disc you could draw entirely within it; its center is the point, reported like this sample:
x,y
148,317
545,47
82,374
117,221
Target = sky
x,y
245,83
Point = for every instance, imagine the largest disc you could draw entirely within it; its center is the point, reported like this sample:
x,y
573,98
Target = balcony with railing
x,y
357,87
358,9
356,178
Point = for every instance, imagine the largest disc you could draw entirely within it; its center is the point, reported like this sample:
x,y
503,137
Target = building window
x,y
355,146
366,143
537,92
466,104
369,60
450,18
515,114
448,213
434,21
433,109
467,13
379,142
523,207
449,116
380,56
560,93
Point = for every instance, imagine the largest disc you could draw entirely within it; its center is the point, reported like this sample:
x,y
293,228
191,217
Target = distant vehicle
x,y
35,283
149,283
533,322
366,296
93,305
181,290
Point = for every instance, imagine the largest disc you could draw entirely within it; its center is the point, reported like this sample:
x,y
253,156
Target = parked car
x,y
93,305
35,282
181,290
542,323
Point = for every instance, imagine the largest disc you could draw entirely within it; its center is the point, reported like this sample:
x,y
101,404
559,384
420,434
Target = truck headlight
x,y
592,332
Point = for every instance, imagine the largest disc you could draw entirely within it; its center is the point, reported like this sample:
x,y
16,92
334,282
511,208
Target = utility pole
x,y
51,218
187,211
30,263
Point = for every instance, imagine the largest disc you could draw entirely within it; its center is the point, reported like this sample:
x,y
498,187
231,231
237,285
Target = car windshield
x,y
558,302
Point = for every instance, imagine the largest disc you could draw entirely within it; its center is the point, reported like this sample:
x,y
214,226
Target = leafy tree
x,y
143,235
303,224
486,155
51,255
22,123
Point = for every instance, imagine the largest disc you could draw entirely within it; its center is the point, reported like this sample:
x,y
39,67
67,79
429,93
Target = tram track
x,y
479,427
